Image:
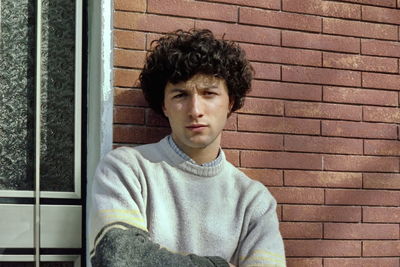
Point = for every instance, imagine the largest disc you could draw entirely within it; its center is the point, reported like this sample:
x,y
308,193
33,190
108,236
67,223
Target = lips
x,y
196,126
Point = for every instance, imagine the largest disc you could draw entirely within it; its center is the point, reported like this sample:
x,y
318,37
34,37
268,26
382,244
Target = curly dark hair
x,y
181,54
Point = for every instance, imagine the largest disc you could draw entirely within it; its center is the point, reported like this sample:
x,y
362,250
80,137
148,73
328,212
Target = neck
x,y
203,154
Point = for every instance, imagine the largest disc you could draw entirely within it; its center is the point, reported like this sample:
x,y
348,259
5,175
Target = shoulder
x,y
254,190
126,162
242,179
133,155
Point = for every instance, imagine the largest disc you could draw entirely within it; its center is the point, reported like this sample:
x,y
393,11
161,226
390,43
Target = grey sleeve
x,y
133,247
263,244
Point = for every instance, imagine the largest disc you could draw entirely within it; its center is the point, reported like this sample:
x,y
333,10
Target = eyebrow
x,y
182,90
177,90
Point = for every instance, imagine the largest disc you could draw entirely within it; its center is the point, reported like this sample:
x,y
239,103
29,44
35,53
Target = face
x,y
197,111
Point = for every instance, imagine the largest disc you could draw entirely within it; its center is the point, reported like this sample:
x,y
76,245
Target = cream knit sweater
x,y
149,193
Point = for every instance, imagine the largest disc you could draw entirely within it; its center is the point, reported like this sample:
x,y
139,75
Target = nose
x,y
195,107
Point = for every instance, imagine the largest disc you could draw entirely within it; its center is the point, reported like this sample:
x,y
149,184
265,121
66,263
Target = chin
x,y
197,144
200,141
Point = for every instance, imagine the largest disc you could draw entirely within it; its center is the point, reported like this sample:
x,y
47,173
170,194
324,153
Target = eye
x,y
179,95
210,93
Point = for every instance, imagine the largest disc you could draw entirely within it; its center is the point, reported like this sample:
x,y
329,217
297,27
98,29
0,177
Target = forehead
x,y
199,81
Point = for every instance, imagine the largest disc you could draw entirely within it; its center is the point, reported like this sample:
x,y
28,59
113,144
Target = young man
x,y
178,202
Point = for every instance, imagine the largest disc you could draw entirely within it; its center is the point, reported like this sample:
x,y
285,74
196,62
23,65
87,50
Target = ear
x,y
231,102
164,111
230,107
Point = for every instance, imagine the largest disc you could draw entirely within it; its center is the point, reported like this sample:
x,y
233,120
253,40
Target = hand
x,y
231,265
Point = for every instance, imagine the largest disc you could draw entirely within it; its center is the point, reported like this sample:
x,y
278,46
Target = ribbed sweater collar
x,y
187,166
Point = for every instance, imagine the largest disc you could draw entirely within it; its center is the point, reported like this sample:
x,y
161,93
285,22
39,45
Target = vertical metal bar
x,y
0,25
38,90
78,97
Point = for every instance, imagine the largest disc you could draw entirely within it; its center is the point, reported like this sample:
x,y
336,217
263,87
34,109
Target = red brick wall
x,y
320,127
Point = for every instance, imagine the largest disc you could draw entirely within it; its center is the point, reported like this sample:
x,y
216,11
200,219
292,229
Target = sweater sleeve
x,y
133,247
118,224
262,244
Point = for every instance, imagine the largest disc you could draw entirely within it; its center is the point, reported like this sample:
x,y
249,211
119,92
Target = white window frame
x,y
76,259
76,194
100,91
34,232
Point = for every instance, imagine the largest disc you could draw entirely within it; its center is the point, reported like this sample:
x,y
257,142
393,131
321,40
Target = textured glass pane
x,y
58,54
31,264
17,39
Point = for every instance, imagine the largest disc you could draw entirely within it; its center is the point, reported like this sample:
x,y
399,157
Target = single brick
x,y
362,197
322,248
265,176
129,58
137,5
384,81
381,248
241,33
323,144
300,230
138,134
270,4
388,3
323,8
310,213
232,156
359,129
279,19
360,231
132,97
360,96
126,77
155,119
150,37
360,29
381,180
280,160
381,214
321,76
262,106
276,54
242,140
320,41
129,39
357,62
286,90
364,262
304,262
194,9
149,22
267,71
131,115
257,123
323,110
231,123
322,179
361,163
381,114
380,48
379,14
382,147
292,195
